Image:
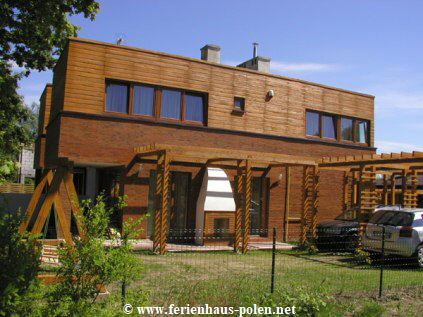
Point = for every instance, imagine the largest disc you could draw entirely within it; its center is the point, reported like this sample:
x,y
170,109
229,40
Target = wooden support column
x,y
238,211
315,201
404,188
158,200
346,192
307,203
393,191
164,204
385,190
247,205
73,197
287,198
46,178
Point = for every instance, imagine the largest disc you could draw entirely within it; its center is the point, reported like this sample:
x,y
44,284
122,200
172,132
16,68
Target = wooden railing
x,y
16,188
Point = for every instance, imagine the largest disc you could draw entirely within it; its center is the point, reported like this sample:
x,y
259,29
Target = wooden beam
x,y
46,178
247,205
74,202
47,203
238,211
164,203
287,201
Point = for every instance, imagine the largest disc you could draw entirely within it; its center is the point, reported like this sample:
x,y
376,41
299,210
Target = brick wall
x,y
87,141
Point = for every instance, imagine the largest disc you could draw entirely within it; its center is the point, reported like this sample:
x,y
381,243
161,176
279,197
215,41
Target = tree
x,y
34,32
32,35
12,115
19,264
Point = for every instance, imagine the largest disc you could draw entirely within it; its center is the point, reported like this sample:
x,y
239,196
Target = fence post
x,y
382,264
272,283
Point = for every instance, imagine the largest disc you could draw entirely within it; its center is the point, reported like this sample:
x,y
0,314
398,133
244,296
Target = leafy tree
x,y
19,264
33,32
32,35
12,116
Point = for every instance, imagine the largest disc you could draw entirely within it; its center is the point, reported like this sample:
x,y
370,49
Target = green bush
x,y
19,265
88,263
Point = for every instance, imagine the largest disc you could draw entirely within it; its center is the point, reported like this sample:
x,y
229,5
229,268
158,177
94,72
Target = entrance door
x,y
177,202
258,198
255,205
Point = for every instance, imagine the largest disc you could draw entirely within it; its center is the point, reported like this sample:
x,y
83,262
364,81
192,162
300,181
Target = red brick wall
x,y
112,142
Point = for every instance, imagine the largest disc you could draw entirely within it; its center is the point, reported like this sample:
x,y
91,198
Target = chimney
x,y
211,53
259,63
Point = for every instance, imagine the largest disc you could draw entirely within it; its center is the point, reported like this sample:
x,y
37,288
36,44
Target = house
x,y
108,103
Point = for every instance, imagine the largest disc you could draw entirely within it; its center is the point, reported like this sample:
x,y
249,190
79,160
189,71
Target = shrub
x,y
19,265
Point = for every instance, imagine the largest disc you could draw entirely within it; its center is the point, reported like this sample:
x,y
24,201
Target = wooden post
x,y
385,190
238,211
393,191
247,205
158,202
346,191
164,204
45,179
315,198
48,202
287,198
307,204
404,200
73,198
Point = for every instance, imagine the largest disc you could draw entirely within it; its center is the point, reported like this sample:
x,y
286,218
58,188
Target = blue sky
x,y
374,47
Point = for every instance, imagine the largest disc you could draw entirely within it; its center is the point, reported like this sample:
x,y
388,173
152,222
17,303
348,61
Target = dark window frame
x,y
338,128
239,110
157,103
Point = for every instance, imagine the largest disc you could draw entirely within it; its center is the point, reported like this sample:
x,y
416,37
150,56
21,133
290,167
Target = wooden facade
x,y
80,129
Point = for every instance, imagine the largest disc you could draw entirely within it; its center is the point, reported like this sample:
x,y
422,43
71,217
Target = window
x,y
117,97
329,126
347,129
143,100
361,131
194,107
156,102
312,123
239,104
171,104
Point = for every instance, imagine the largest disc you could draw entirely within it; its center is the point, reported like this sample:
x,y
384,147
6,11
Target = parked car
x,y
403,233
341,234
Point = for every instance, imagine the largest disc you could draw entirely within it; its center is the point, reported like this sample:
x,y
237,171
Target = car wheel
x,y
375,258
351,243
420,256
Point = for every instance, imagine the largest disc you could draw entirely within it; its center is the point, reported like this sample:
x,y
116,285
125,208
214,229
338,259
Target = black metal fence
x,y
203,267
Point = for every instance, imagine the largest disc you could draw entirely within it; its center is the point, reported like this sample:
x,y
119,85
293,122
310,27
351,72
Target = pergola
x,y
243,161
360,172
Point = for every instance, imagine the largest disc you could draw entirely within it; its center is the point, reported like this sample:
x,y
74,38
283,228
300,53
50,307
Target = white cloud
x,y
399,100
396,147
302,67
285,67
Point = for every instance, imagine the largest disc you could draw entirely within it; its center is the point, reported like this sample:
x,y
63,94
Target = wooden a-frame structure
x,y
53,181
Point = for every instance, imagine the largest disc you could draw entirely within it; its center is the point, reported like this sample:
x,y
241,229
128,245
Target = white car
x,y
403,232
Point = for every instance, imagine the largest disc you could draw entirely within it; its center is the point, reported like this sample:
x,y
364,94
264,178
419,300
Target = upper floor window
x,y
116,97
329,126
156,102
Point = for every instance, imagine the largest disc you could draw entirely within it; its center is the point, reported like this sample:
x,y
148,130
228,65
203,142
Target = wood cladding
x,y
45,107
82,71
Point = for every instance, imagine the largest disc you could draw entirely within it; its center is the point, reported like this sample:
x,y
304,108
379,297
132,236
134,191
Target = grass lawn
x,y
228,279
